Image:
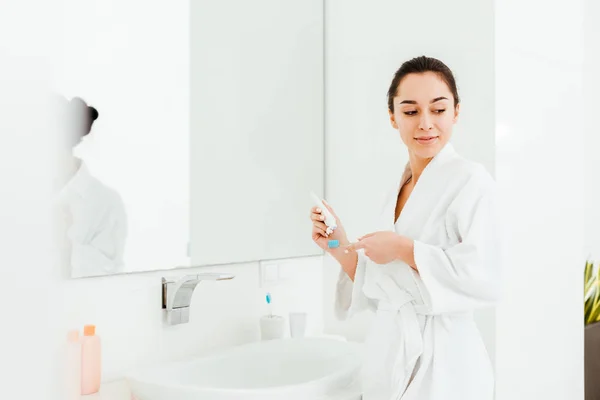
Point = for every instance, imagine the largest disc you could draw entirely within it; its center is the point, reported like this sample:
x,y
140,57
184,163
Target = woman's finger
x,y
367,235
317,217
354,246
318,231
320,225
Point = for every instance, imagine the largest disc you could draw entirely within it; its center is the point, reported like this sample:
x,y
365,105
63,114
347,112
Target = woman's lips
x,y
426,139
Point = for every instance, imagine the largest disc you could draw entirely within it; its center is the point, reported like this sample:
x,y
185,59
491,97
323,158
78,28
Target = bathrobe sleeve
x,y
465,276
349,296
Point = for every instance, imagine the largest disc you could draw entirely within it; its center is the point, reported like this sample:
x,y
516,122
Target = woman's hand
x,y
319,229
384,247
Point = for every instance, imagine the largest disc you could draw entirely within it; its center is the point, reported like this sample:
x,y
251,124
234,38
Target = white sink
x,y
286,369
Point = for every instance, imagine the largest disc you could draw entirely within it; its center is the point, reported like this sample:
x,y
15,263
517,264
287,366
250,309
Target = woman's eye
x,y
440,111
410,112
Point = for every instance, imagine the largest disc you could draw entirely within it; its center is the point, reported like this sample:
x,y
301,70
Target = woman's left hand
x,y
381,247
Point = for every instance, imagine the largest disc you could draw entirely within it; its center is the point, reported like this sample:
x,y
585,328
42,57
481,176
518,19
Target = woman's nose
x,y
425,122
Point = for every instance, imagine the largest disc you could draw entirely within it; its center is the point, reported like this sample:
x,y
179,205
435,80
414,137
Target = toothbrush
x,y
269,298
329,218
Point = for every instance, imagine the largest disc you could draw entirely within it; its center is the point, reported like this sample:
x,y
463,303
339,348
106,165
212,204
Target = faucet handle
x,y
203,276
177,294
211,276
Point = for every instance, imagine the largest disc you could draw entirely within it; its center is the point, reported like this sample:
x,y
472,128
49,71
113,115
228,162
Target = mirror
x,y
193,134
256,128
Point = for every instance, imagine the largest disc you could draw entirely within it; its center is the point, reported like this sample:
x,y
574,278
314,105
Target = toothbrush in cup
x,y
269,299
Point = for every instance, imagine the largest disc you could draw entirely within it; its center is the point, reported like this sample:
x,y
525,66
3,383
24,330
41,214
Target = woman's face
x,y
424,113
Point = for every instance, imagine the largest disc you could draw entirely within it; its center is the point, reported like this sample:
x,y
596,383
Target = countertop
x,y
117,390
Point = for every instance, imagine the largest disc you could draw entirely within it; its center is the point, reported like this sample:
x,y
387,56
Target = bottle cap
x,y
89,330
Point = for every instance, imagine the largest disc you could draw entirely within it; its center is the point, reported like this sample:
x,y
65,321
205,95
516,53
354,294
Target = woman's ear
x,y
456,112
392,119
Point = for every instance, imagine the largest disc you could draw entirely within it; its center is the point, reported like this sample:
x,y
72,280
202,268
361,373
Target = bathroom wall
x,y
365,43
28,307
592,129
539,167
127,311
39,304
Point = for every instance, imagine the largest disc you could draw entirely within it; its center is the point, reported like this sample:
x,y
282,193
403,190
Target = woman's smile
x,y
427,140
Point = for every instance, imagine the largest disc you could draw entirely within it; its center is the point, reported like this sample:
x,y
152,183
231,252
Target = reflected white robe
x,y
424,344
98,229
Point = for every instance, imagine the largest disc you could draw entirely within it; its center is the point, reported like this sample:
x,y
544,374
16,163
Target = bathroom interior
x,y
216,119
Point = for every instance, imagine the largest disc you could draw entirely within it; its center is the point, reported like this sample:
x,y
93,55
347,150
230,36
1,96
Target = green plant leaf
x,y
591,293
594,314
588,308
587,271
595,303
589,284
587,274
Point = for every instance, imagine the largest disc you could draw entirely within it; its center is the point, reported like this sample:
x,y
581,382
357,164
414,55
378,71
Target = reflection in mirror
x,y
94,214
203,168
136,154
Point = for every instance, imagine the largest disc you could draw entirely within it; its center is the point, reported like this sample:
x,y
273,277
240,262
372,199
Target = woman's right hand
x,y
319,229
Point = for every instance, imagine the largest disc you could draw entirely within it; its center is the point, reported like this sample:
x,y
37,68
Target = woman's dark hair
x,y
83,114
78,119
421,65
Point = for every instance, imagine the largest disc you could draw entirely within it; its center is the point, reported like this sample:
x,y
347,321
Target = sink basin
x,y
307,369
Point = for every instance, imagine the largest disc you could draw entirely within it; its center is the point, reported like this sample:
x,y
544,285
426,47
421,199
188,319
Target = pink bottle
x,y
90,361
73,366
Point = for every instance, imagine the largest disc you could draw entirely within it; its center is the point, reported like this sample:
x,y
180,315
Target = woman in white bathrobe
x,y
431,258
92,215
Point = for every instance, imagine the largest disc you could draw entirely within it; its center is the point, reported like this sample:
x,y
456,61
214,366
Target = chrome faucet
x,y
177,295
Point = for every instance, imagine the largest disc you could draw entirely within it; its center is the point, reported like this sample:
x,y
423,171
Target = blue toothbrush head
x,y
269,298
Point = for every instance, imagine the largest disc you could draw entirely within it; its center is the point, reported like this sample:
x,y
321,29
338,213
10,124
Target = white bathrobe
x,y
98,230
424,344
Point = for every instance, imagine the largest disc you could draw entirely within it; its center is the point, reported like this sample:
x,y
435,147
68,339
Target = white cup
x,y
271,327
298,324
